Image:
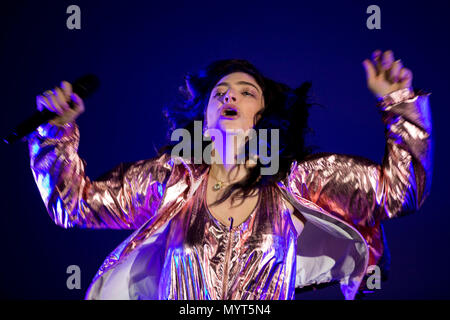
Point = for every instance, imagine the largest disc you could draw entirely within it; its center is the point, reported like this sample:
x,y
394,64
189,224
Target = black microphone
x,y
83,87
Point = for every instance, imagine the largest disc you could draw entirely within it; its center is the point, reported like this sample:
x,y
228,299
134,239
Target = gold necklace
x,y
219,183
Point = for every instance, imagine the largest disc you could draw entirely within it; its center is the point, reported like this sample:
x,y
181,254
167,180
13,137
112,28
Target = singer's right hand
x,y
57,101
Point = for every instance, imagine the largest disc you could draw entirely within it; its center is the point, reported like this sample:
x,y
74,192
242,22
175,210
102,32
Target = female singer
x,y
224,230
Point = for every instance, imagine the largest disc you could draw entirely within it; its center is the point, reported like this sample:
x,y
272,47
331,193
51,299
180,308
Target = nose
x,y
229,97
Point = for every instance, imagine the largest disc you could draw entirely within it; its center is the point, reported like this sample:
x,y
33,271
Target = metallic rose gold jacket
x,y
344,199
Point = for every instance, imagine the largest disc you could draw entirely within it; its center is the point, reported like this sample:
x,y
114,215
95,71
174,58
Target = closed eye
x,y
245,93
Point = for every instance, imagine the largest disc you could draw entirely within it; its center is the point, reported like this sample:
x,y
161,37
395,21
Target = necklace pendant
x,y
217,186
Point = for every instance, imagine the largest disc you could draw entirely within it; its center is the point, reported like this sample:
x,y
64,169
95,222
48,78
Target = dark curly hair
x,y
285,109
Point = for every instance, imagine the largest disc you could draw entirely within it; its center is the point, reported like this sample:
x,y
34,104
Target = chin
x,y
232,126
233,129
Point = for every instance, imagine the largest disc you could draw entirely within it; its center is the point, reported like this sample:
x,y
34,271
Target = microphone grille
x,y
86,85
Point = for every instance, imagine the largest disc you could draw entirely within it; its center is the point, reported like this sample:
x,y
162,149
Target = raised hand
x,y
384,75
57,101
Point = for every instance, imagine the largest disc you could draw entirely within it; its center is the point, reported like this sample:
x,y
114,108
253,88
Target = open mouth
x,y
229,112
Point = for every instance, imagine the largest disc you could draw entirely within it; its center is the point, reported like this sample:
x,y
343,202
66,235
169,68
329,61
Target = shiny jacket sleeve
x,y
363,192
124,198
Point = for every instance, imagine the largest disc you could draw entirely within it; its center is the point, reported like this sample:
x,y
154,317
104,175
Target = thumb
x,y
78,102
406,78
370,69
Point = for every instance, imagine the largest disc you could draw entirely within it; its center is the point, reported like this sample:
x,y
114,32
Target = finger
x,y
78,103
376,57
387,60
61,99
52,99
66,88
371,71
43,103
406,77
395,71
376,54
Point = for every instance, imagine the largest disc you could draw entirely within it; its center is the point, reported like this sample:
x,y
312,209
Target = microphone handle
x,y
29,125
83,87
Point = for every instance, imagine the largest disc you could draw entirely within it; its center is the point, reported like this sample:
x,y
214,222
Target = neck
x,y
228,173
225,167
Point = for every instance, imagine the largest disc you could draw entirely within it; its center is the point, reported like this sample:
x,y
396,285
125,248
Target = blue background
x,y
141,50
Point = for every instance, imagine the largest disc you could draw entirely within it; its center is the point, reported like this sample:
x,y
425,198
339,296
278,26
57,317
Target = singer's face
x,y
233,103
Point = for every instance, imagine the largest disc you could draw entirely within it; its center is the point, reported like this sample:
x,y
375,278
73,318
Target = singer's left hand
x,y
384,75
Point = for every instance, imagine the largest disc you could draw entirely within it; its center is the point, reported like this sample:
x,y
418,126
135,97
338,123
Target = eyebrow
x,y
239,82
